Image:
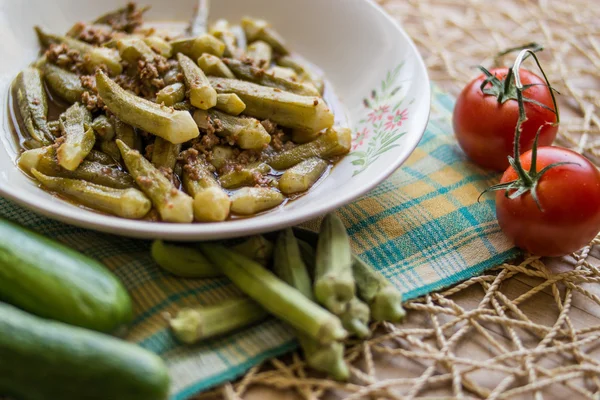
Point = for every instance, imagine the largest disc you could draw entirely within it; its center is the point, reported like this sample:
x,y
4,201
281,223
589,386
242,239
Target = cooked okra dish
x,y
217,121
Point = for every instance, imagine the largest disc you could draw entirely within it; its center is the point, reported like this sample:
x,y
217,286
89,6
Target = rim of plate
x,y
246,226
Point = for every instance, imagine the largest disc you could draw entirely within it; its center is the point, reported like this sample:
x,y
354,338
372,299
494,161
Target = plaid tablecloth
x,y
422,228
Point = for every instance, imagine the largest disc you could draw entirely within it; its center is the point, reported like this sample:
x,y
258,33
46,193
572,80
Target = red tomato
x,y
570,199
485,128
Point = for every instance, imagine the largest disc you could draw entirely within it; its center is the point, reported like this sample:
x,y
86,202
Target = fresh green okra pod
x,y
171,95
252,200
221,31
257,75
260,53
304,71
334,282
183,261
201,93
194,324
256,248
214,66
288,265
230,103
79,136
195,47
257,29
302,176
33,104
244,177
334,142
211,203
159,45
174,126
308,255
44,160
164,153
96,56
126,203
276,296
355,318
284,108
63,83
382,297
172,204
248,133
103,127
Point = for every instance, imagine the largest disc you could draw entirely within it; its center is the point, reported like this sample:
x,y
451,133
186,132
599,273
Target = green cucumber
x,y
53,281
43,359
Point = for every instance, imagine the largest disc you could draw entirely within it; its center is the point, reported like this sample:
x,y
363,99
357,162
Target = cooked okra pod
x,y
276,296
44,160
214,66
256,75
288,265
302,136
127,203
79,136
230,103
201,93
252,200
221,155
211,203
172,204
174,126
171,95
120,15
33,104
283,73
257,29
103,127
110,147
128,135
221,31
284,108
133,49
183,261
195,47
256,248
194,324
302,176
334,142
159,45
334,282
260,53
63,83
100,158
96,56
164,153
243,177
248,133
382,297
304,71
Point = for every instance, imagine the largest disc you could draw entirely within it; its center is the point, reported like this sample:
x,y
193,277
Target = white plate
x,y
374,67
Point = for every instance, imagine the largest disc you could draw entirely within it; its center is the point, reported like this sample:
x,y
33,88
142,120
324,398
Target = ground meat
x,y
205,143
248,156
269,126
92,34
167,172
90,97
148,151
143,181
144,79
277,140
188,156
61,55
127,19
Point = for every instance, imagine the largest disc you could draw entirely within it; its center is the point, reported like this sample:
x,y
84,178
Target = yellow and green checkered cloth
x,y
422,228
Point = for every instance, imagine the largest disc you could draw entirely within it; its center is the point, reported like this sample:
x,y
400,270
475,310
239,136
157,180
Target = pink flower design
x,y
395,120
377,114
360,138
